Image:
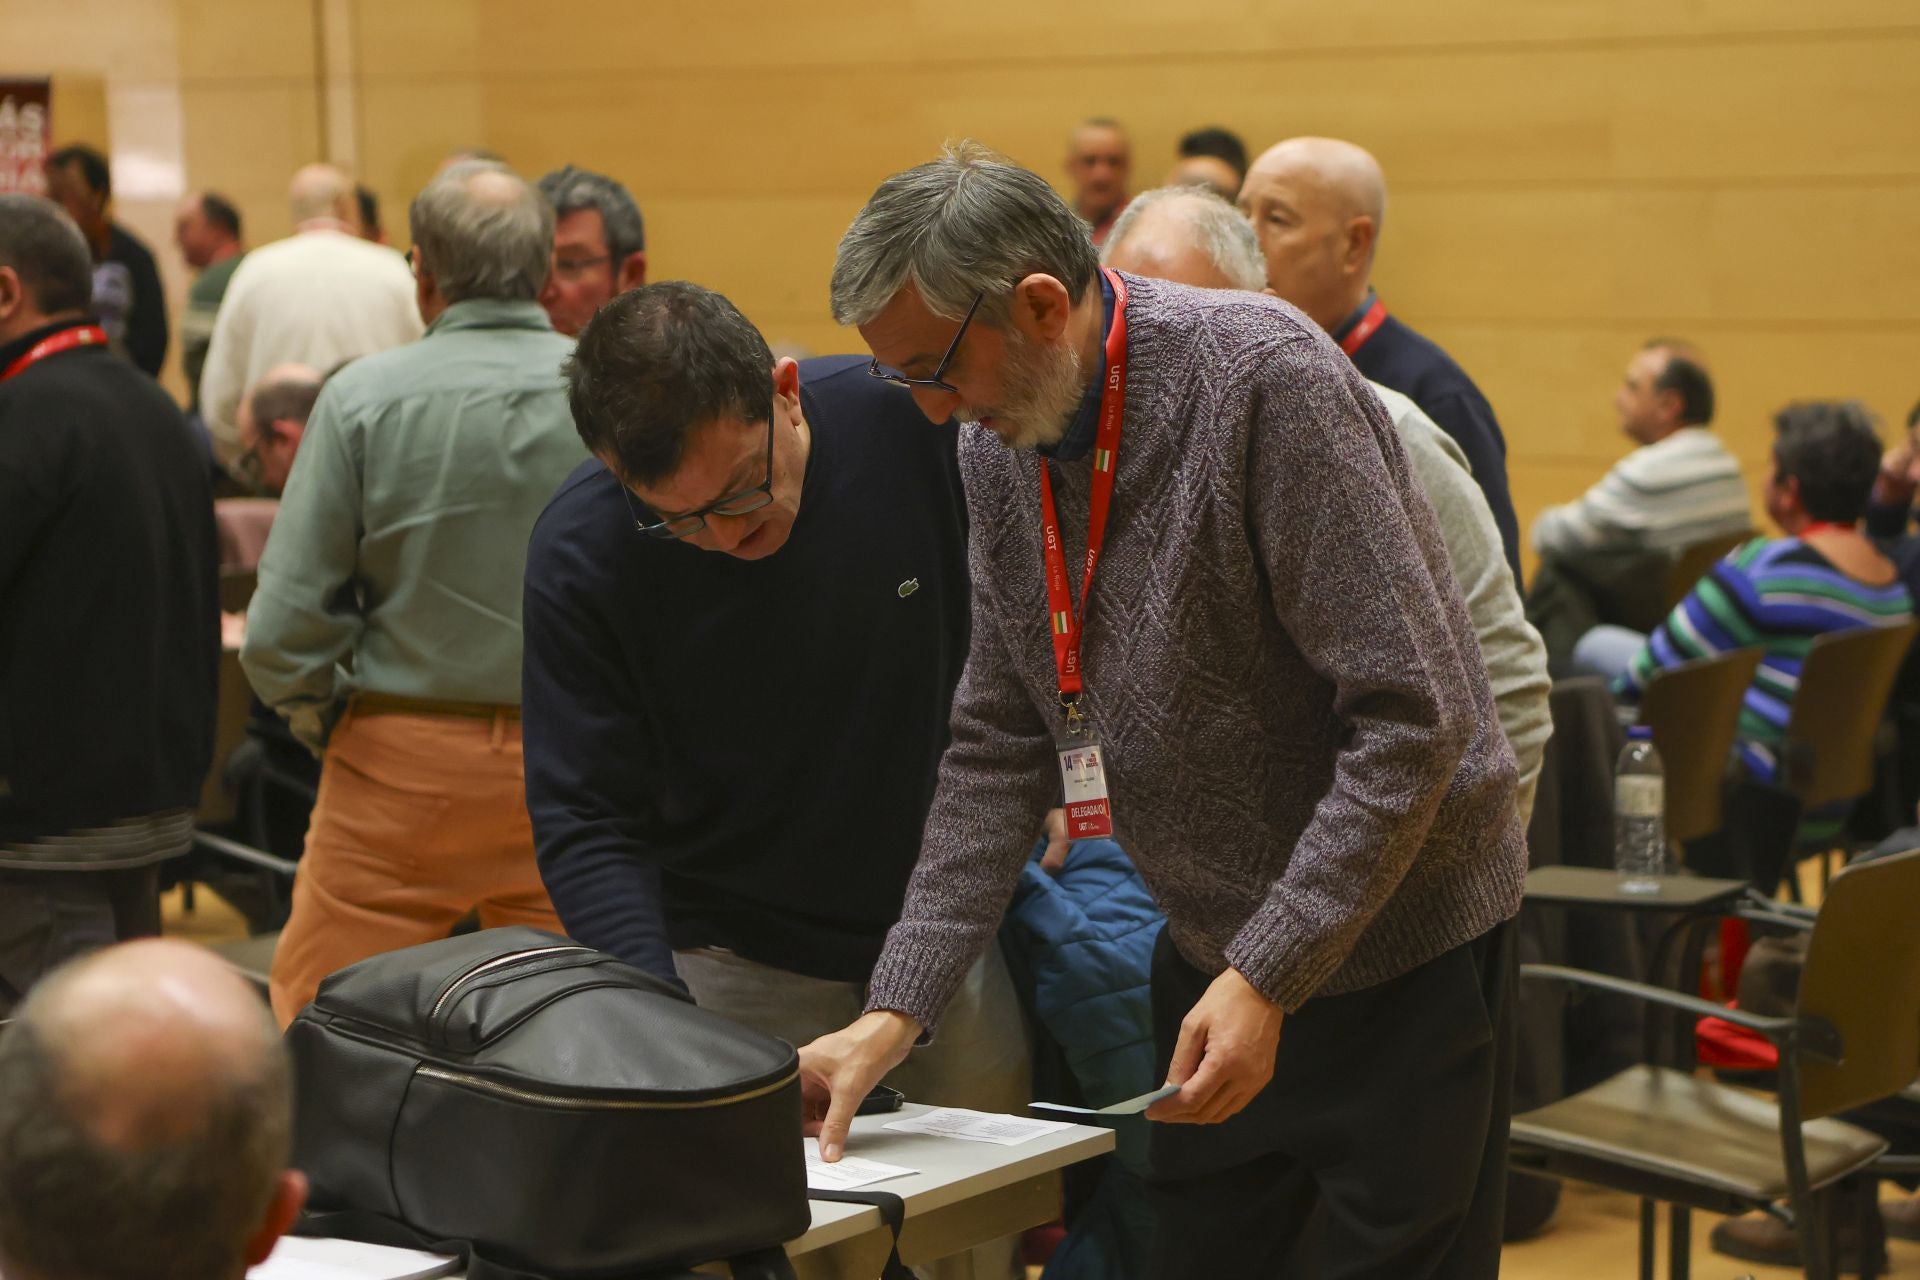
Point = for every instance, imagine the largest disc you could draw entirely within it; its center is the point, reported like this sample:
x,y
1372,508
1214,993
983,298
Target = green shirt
x,y
196,326
395,562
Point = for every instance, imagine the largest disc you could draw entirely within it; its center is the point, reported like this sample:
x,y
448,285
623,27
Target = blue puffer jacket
x,y
1087,938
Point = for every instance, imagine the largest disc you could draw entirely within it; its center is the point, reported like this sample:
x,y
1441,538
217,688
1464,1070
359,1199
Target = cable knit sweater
x,y
1300,740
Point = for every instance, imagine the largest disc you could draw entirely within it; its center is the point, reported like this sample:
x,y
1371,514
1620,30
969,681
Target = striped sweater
x,y
1779,595
1661,497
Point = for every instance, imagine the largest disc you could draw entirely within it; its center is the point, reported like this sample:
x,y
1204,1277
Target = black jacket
x,y
109,596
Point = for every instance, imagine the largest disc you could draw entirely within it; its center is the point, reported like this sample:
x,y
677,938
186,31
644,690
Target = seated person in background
x,y
1680,486
599,246
1781,593
1192,237
273,418
1213,158
146,1121
1890,513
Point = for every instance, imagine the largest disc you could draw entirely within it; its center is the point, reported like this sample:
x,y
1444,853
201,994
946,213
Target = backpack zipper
x,y
490,965
485,1085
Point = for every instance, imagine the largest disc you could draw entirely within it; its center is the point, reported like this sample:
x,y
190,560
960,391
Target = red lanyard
x,y
1063,620
1825,526
1358,335
86,335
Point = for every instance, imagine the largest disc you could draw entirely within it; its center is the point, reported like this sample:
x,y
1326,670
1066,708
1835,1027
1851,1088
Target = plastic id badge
x,y
1083,784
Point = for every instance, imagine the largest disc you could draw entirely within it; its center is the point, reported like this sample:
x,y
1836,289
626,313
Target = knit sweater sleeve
x,y
1358,581
996,780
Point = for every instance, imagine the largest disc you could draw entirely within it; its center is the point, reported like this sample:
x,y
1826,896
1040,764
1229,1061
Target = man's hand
x,y
1224,1056
1054,828
1899,473
839,1069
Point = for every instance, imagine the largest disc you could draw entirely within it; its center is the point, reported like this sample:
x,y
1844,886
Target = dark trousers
x,y
1385,1126
48,917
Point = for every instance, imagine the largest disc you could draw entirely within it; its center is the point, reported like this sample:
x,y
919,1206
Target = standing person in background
x,y
371,228
207,229
1099,165
1317,205
1301,745
127,297
1890,513
599,246
321,296
1213,158
109,615
397,555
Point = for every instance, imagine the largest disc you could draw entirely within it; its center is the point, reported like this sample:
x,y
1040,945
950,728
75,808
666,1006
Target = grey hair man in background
x,y
599,246
397,556
146,1121
322,295
1195,237
273,421
1298,740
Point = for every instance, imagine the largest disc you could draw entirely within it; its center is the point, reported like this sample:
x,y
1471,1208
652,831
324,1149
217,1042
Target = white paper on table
x,y
1131,1107
976,1126
848,1172
310,1258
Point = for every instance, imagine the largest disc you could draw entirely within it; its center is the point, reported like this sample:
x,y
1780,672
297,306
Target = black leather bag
x,y
563,1112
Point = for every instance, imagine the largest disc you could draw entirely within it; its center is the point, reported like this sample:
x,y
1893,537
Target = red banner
x,y
25,136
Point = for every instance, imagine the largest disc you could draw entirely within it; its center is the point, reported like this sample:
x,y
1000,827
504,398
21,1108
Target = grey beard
x,y
1043,389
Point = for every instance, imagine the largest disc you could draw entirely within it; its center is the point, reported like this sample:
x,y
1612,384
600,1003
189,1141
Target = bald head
x,y
140,1079
1187,236
323,191
481,231
1317,205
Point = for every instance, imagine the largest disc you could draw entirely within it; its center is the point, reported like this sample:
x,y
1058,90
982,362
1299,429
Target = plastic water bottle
x,y
1639,814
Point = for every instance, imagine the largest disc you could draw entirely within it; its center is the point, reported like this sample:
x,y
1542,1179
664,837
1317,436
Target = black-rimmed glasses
x,y
743,503
935,383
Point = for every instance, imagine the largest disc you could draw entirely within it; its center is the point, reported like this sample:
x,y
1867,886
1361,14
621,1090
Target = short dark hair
x,y
1832,447
369,208
1221,144
657,362
42,244
93,166
282,399
220,212
182,1208
1685,376
572,190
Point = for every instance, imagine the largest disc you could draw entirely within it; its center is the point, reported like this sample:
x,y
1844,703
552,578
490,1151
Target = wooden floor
x,y
1594,1234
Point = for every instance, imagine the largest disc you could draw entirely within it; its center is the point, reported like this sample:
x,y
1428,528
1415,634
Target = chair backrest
x,y
1691,562
1694,712
1827,756
1863,976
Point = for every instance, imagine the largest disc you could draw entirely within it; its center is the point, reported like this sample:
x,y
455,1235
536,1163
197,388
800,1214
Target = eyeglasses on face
x,y
936,382
746,502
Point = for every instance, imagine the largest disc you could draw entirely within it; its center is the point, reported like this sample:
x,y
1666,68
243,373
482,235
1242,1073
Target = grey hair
x,y
1221,231
289,398
179,1203
572,190
971,223
482,246
46,250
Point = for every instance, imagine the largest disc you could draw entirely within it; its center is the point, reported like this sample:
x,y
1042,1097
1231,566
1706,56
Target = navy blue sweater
x,y
740,754
1414,365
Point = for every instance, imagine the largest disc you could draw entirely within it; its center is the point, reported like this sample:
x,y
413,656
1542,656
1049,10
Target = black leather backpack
x,y
547,1108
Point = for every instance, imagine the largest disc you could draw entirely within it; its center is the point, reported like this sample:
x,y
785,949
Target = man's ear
x,y
289,1196
13,294
1361,234
632,273
786,379
1040,307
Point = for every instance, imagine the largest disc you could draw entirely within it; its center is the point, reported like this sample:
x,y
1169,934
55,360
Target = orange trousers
x,y
420,819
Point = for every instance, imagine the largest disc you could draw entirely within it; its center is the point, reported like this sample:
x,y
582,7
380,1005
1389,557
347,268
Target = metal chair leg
x,y
1679,1242
1816,1237
1647,1222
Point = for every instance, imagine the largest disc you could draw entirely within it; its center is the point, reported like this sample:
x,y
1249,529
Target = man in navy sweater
x,y
1317,205
739,664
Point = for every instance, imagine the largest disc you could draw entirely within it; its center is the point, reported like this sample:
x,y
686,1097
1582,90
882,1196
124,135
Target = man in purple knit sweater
x,y
1298,736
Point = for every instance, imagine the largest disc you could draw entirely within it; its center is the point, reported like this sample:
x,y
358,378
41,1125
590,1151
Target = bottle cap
x,y
1640,733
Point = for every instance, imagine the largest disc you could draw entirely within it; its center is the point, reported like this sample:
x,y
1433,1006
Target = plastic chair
x,y
1694,712
1691,562
1666,1135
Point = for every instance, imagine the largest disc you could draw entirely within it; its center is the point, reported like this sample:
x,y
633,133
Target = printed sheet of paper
x,y
977,1126
1130,1107
848,1172
306,1258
